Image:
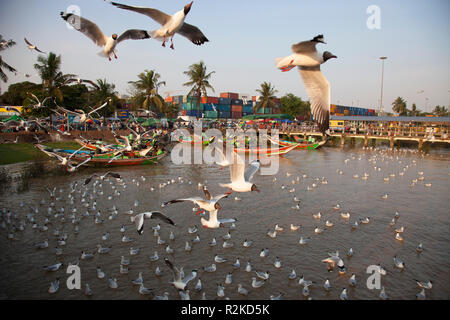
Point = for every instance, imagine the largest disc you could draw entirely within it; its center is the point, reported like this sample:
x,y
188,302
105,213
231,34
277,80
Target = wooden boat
x,y
304,146
266,151
104,161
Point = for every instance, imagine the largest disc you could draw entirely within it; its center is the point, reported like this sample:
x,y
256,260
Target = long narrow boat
x,y
304,146
104,161
265,151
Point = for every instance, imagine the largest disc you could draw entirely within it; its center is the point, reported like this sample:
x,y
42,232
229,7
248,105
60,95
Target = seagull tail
x,y
225,185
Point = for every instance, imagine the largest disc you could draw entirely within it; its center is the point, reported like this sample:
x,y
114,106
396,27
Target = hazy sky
x,y
245,38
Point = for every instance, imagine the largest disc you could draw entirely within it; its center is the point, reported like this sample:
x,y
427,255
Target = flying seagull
x,y
240,178
308,60
139,219
79,81
209,204
170,24
78,112
93,32
109,173
179,281
36,101
32,46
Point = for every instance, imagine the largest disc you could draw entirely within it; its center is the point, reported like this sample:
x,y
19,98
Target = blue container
x,y
237,102
224,101
208,107
247,108
224,108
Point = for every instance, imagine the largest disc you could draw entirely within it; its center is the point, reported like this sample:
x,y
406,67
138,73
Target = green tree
x,y
5,44
399,106
267,97
49,69
414,112
104,92
295,106
441,111
17,92
199,81
145,91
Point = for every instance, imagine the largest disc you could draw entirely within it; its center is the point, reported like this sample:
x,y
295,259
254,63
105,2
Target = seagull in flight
x,y
179,281
308,60
78,112
93,32
139,219
109,173
170,24
240,178
209,203
36,101
32,46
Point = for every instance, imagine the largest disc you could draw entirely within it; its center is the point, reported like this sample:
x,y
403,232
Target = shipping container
x,y
229,95
236,115
211,114
225,101
224,107
237,102
236,108
224,115
247,108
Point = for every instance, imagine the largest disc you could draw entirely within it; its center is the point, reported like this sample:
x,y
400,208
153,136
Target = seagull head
x,y
319,38
328,55
217,206
254,188
114,36
187,8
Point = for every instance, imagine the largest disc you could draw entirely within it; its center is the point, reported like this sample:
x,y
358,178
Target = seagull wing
x,y
35,48
28,42
251,170
318,89
92,83
192,33
33,96
304,47
84,162
190,277
176,272
102,106
139,220
196,200
237,169
160,216
159,16
133,34
87,27
68,111
113,174
207,194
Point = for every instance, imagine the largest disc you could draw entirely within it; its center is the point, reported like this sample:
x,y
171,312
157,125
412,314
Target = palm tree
x,y
146,91
399,106
103,93
414,111
199,81
267,97
52,77
5,44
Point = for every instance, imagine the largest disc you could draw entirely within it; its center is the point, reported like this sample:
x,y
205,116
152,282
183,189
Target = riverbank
x,y
22,152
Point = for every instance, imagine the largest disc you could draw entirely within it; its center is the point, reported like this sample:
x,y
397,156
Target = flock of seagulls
x,y
65,214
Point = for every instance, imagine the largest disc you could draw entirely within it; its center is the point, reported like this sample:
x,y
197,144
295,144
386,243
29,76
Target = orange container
x,y
236,108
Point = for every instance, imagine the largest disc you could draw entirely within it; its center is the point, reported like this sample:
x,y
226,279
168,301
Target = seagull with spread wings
x,y
32,46
240,178
208,203
171,24
308,60
140,218
36,102
93,32
78,112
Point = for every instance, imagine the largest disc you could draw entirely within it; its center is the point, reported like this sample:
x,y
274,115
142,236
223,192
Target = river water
x,y
424,213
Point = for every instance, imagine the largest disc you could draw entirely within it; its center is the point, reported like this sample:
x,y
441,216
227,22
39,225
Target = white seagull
x,y
139,219
240,178
178,282
170,24
93,32
308,60
32,46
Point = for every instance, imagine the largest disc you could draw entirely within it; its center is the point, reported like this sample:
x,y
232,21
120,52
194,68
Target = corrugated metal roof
x,y
387,119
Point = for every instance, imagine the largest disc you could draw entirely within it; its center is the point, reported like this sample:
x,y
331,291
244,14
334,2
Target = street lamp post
x,y
382,76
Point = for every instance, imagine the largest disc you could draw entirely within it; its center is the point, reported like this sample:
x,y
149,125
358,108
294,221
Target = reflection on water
x,y
423,212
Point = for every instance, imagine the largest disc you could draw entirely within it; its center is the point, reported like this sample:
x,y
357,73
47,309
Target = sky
x,y
245,38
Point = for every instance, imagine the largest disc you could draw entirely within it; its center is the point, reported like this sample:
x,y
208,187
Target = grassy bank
x,y
21,152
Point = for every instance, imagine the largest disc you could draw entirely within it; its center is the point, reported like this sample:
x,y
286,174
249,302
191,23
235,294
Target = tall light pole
x,y
382,76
